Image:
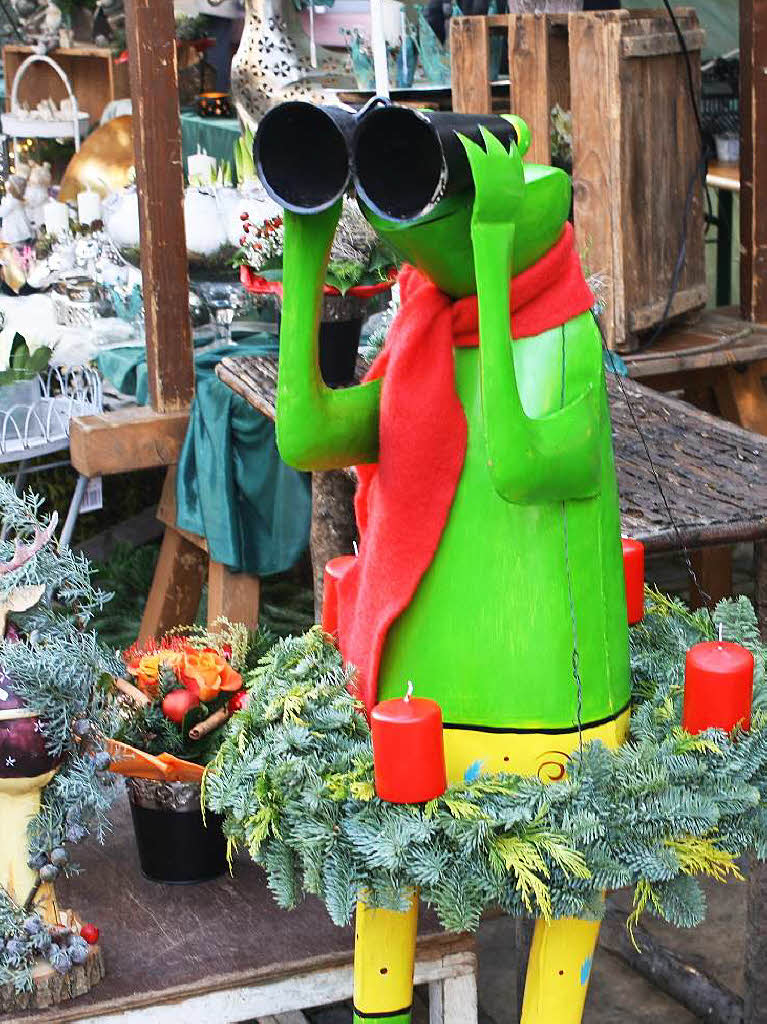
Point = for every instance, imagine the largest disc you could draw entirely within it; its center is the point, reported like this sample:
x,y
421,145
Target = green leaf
x,y
39,359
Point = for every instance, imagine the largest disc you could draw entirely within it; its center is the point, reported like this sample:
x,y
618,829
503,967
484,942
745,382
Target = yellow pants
x,y
562,951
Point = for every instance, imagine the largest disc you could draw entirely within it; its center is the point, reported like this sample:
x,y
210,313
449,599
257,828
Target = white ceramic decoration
x,y
205,231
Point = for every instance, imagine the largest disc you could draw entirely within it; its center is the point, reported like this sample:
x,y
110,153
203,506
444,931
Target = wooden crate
x,y
96,78
635,143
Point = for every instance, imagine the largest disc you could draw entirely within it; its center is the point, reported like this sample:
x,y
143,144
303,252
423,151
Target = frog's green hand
x,y
499,179
530,459
317,427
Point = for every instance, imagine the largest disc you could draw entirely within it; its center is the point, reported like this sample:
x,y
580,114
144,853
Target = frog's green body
x,y
529,565
489,634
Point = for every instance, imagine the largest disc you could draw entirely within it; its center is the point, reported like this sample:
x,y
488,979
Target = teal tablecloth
x,y
233,488
215,135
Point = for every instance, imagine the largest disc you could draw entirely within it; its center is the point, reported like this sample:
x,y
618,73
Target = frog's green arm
x,y
317,427
553,457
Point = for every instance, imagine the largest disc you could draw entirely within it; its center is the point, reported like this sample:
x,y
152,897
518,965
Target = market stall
x,y
494,712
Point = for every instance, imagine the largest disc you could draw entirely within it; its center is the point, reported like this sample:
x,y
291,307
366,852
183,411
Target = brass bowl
x,y
214,104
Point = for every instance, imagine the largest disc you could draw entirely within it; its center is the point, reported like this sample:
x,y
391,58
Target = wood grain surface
x,y
164,942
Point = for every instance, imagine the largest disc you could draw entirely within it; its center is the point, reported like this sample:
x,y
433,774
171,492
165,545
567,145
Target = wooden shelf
x,y
96,78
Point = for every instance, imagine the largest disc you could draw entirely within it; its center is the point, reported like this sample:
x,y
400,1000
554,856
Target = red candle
x,y
334,570
408,751
718,685
633,570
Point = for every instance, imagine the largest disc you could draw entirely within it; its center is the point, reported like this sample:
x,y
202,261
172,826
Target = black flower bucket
x,y
175,845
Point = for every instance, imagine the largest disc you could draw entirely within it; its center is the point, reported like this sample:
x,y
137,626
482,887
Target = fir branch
x,y
294,781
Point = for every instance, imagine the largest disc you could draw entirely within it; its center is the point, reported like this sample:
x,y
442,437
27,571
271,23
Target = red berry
x,y
239,701
243,240
243,216
90,933
177,703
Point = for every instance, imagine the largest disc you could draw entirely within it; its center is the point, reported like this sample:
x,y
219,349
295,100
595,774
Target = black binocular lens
x,y
399,170
403,160
301,152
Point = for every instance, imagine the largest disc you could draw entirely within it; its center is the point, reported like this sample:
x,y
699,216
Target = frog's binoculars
x,y
405,160
302,155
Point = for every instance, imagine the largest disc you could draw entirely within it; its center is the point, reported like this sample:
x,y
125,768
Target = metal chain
x,y
568,571
682,546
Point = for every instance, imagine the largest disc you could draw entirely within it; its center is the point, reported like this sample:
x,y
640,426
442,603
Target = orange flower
x,y
207,674
147,669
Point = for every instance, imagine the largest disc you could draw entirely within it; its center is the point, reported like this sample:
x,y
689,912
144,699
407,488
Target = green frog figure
x,y
490,569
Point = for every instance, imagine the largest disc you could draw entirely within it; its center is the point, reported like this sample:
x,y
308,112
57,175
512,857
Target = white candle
x,y
56,217
201,167
88,207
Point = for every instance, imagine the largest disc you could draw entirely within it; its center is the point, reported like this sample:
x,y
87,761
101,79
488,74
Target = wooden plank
x,y
713,571
529,80
174,597
760,586
661,176
126,440
269,995
293,1017
596,110
659,43
470,65
741,396
166,511
753,160
232,595
151,35
453,1000
755,1002
643,317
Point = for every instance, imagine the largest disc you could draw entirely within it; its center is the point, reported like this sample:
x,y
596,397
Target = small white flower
x,y
10,762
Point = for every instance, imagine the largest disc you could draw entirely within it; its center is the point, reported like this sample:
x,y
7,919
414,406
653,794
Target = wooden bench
x,y
717,360
224,951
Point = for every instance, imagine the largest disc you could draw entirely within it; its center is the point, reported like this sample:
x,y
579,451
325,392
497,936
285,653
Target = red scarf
x,y
404,499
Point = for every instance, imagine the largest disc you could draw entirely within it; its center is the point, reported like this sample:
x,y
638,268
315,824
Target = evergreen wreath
x,y
294,781
56,666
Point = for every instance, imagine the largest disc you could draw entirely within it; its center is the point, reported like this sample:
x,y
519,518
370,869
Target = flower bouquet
x,y
169,715
361,266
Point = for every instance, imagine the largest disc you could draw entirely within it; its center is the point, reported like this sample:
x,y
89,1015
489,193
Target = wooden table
x,y
717,360
224,951
713,473
726,179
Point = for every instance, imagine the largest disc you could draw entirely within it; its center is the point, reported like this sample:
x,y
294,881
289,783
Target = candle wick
x,y
409,693
721,629
356,549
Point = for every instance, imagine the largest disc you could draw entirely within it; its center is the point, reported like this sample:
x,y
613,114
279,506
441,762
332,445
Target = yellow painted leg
x,y
561,952
384,955
20,801
558,971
